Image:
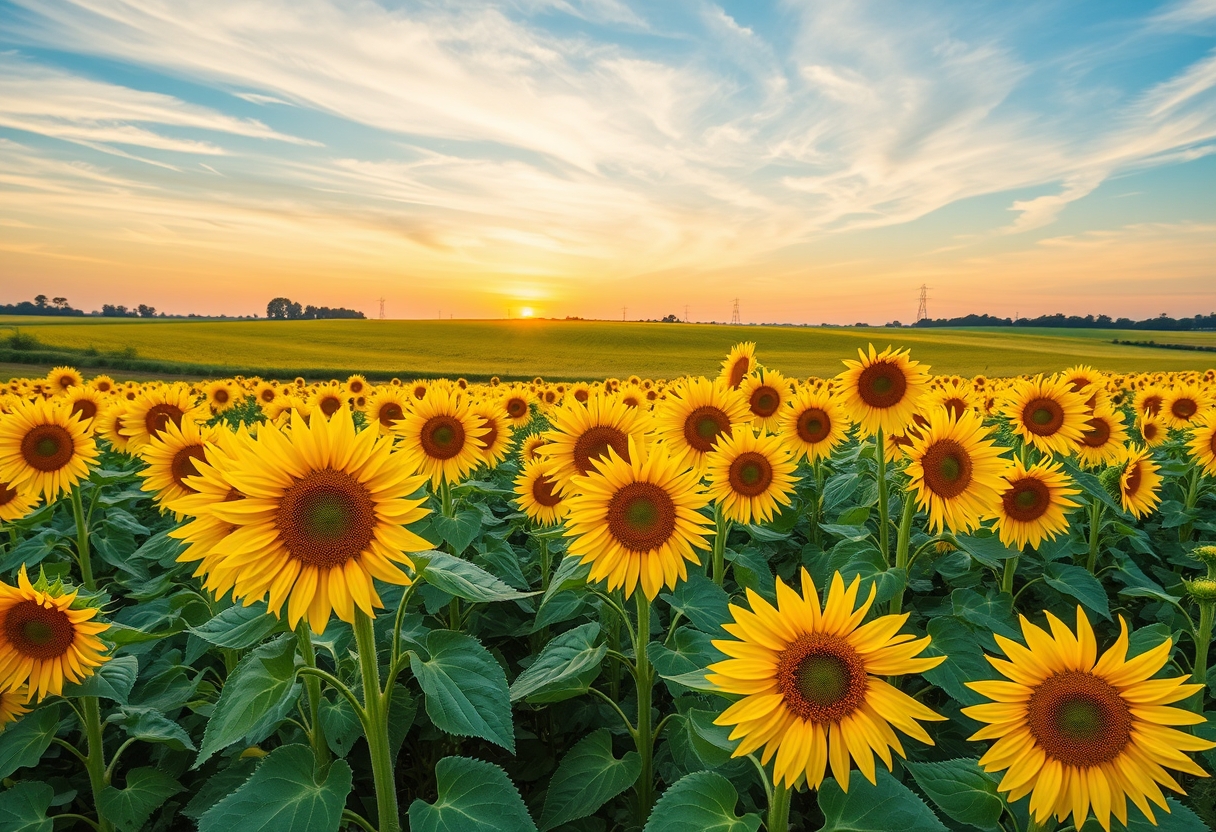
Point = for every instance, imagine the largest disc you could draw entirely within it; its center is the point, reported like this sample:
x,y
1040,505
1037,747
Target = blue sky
x,y
817,160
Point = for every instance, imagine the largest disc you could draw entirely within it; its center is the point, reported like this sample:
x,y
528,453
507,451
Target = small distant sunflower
x,y
813,424
1152,430
109,425
1184,404
1046,413
223,395
1032,502
1139,481
812,683
1103,437
171,458
85,403
1077,732
954,395
418,389
750,475
156,407
582,434
388,406
328,399
265,392
766,391
102,384
530,446
632,395
636,519
62,379
1148,401
357,385
883,390
16,501
497,431
1202,444
442,436
537,495
740,361
580,392
517,405
44,641
13,705
696,416
956,470
44,449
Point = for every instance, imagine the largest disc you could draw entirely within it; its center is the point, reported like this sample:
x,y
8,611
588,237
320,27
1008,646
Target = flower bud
x,y
1203,590
1109,478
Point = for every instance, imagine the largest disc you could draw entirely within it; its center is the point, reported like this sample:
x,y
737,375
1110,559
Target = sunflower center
x,y
1152,405
947,467
738,370
268,395
326,518
1184,408
703,427
183,465
765,401
516,407
389,413
882,385
221,396
37,632
750,474
1079,719
329,405
420,392
491,434
594,443
544,491
1043,417
641,516
47,448
159,416
1098,433
85,409
1132,482
442,437
821,678
355,387
1149,430
813,425
957,407
7,494
581,396
1026,499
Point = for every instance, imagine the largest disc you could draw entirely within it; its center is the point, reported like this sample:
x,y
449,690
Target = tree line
x,y
1162,322
286,309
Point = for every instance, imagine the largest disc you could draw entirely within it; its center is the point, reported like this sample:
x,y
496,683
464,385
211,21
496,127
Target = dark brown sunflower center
x,y
268,395
183,465
491,432
326,518
738,370
1184,408
66,381
544,491
355,387
594,443
1026,499
813,425
419,392
765,401
1079,719
37,632
1043,417
581,395
1078,383
1131,484
516,407
159,416
1152,405
329,405
641,516
882,385
390,412
703,427
1149,430
47,448
7,494
821,678
84,408
103,386
442,437
947,467
221,396
1097,434
956,406
750,474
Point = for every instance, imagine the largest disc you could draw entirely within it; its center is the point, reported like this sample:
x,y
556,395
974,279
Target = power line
x,y
734,315
922,308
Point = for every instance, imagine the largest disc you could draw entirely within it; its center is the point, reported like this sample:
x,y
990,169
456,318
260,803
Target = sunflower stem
x,y
1203,645
96,763
82,541
817,503
545,565
779,809
375,726
721,530
1011,568
645,685
312,684
445,497
884,534
1192,497
902,545
1095,527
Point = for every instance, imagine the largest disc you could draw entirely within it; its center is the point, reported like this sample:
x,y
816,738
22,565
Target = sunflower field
x,y
885,600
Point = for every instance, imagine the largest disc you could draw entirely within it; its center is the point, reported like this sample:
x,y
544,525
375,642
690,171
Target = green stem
x,y
721,530
645,740
1192,497
1095,528
312,684
884,533
1203,644
96,764
779,810
545,565
375,726
817,503
902,544
82,541
445,498
1011,568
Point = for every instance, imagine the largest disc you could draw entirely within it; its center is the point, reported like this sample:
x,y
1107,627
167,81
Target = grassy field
x,y
591,349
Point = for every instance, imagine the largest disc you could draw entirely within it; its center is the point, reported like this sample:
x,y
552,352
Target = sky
x,y
818,161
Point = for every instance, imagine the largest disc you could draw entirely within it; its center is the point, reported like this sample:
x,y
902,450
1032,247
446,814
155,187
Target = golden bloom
x,y
1102,438
109,424
813,423
85,403
766,392
328,399
442,436
62,379
44,449
265,392
1139,480
530,446
697,414
44,641
812,683
517,406
582,434
1032,502
13,705
1202,444
956,396
750,475
1184,404
537,495
171,457
1047,414
637,519
16,502
1152,430
356,385
496,437
739,362
883,390
149,413
387,406
1076,732
956,469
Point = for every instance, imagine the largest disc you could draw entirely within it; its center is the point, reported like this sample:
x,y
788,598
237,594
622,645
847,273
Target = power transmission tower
x,y
624,309
922,308
382,309
734,315
686,313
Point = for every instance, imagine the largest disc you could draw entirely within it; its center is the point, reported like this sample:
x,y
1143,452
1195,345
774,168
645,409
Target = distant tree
x,y
278,309
60,303
146,311
294,311
40,301
671,319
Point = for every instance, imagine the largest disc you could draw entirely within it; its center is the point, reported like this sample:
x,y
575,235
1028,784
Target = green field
x,y
589,349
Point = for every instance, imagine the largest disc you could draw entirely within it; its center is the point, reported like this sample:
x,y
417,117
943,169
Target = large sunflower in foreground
x,y
956,469
537,495
1031,503
324,512
697,414
637,519
585,433
1202,444
738,363
442,437
149,413
750,475
44,448
812,686
1077,732
1047,414
43,640
813,424
882,390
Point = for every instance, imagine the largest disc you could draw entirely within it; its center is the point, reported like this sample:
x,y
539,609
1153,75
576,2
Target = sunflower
x,y
62,379
16,501
1148,401
1152,430
812,686
766,391
108,425
265,392
1139,480
637,518
171,457
44,449
13,705
1032,502
497,435
1202,444
740,361
1104,436
698,413
517,406
956,470
356,385
582,434
1076,732
813,424
102,384
207,487
883,390
324,512
954,395
750,475
443,437
223,395
328,399
580,392
1082,377
529,448
538,496
44,641
387,406
1184,404
1046,413
632,395
85,403
156,407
